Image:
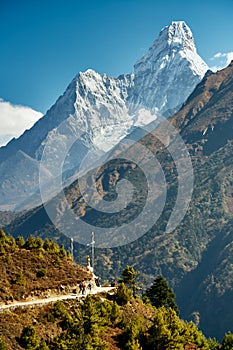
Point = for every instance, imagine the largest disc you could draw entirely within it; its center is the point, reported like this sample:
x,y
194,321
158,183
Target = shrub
x,y
28,338
50,246
41,273
227,342
33,243
19,279
2,345
123,294
62,252
20,241
42,346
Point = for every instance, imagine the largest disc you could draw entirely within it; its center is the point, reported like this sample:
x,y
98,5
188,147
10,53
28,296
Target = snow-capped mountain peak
x,y
171,65
179,34
98,111
175,37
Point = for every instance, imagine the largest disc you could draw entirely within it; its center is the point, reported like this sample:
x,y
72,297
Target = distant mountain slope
x,y
23,167
196,258
208,107
97,111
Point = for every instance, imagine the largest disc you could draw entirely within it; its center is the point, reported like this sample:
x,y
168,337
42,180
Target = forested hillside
x,y
127,318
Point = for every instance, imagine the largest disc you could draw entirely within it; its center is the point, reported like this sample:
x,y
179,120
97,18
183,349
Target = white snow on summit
x,y
167,74
176,38
107,108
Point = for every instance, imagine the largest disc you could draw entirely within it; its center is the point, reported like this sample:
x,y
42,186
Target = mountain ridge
x,y
97,111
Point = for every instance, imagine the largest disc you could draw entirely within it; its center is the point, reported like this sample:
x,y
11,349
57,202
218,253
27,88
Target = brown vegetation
x,y
29,272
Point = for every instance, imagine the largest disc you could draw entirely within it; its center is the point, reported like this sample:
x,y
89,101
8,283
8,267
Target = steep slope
x,y
166,75
97,111
199,249
36,268
206,123
19,178
99,322
207,107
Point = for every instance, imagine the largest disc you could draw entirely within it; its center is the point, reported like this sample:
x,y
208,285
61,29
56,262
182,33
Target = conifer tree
x,y
161,295
129,278
123,294
20,241
227,342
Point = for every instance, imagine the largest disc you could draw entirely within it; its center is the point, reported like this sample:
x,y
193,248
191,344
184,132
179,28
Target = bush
x,y
33,243
227,342
132,333
19,279
57,262
2,345
7,243
42,346
110,313
20,241
123,294
213,344
62,252
50,246
29,339
41,273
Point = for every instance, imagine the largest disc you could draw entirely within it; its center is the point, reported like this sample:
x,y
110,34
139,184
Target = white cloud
x,y
14,120
218,54
221,60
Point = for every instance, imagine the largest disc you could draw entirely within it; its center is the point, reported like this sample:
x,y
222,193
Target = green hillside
x,y
118,320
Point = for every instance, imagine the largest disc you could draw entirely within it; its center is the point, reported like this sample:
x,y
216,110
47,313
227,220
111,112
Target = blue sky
x,y
44,44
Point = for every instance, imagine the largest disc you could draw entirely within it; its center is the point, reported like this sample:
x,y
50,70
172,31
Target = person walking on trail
x,y
83,288
80,287
90,286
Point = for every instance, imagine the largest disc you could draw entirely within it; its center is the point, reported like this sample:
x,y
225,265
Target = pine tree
x,y
129,278
169,332
161,295
227,342
129,275
123,294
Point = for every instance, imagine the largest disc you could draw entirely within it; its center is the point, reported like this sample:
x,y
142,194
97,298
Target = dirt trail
x,y
79,296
